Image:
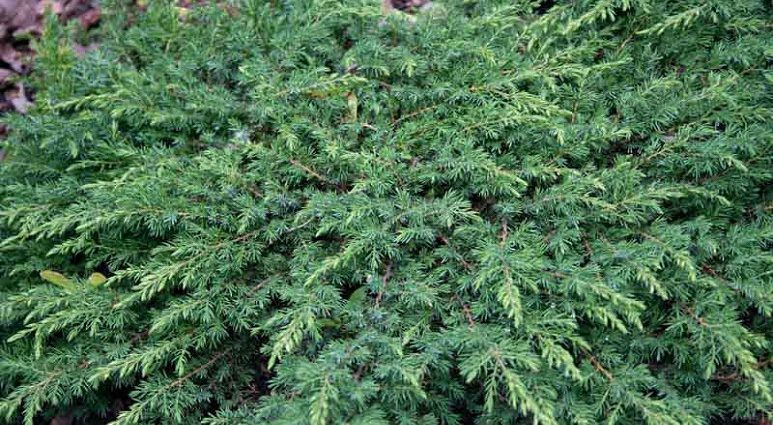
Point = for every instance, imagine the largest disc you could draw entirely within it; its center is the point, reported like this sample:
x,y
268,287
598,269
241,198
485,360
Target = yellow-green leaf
x,y
329,323
97,279
57,279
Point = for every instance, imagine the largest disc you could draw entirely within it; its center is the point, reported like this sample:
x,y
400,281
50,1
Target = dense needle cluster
x,y
504,212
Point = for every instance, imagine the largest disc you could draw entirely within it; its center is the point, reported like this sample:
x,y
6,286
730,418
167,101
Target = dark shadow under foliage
x,y
496,212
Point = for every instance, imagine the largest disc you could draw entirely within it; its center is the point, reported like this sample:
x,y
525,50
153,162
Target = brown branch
x,y
713,273
598,366
139,336
340,186
726,378
244,237
735,376
309,171
384,281
445,241
557,275
254,191
708,270
504,233
360,370
694,316
622,45
550,234
413,114
257,287
199,369
466,311
588,249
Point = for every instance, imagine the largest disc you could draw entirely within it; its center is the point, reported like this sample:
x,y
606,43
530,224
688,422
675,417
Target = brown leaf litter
x,y
20,21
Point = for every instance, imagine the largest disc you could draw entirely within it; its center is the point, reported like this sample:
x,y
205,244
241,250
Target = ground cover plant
x,y
308,212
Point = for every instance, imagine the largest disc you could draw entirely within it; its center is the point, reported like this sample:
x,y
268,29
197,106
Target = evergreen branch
x,y
462,261
205,366
318,176
598,366
690,312
395,123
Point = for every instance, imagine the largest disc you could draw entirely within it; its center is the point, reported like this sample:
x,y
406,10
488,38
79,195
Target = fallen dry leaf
x,y
89,18
15,14
21,104
81,50
18,98
56,6
13,57
5,74
74,8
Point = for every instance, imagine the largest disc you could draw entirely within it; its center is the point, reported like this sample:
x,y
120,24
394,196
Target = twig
x,y
557,275
464,262
726,378
586,245
254,191
735,376
199,369
384,281
413,114
320,177
138,337
598,366
360,370
550,234
309,170
466,311
694,316
257,287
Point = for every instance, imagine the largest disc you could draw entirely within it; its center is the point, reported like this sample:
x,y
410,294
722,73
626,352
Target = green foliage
x,y
308,213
